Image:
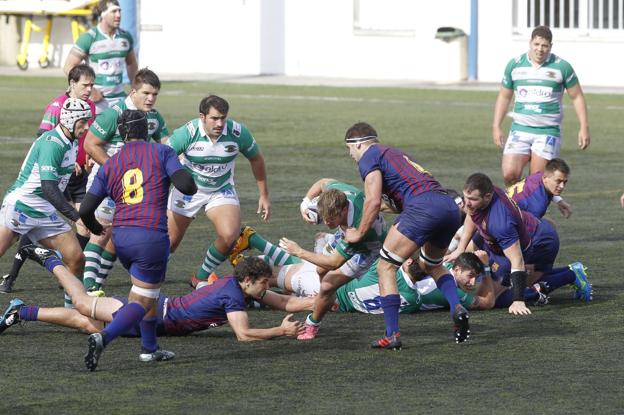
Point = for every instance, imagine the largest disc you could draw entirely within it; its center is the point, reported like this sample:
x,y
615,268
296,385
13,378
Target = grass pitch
x,y
564,358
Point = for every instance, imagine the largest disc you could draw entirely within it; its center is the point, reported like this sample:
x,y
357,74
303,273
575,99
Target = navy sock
x,y
148,335
390,304
126,317
558,277
52,262
29,313
447,285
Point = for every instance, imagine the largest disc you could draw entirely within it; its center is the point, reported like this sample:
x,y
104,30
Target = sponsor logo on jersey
x,y
56,104
210,168
532,107
231,148
537,92
551,74
124,43
180,203
15,223
48,168
236,129
98,128
104,65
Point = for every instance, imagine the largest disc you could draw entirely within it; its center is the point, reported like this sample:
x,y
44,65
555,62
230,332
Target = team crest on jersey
x,y
495,267
231,148
551,74
124,44
236,129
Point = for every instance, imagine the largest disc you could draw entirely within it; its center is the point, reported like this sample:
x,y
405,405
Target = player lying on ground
x,y
213,305
340,206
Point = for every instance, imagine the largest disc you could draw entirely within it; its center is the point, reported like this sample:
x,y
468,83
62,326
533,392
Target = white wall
x,y
318,38
596,59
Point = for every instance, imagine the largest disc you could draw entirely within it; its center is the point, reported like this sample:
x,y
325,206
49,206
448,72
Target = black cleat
x,y
96,347
461,326
388,342
37,253
11,315
6,285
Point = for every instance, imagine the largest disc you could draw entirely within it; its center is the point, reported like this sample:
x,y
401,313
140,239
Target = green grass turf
x,y
564,358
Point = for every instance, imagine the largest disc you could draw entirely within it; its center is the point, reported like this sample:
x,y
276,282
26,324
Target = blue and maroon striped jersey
x,y
531,195
204,308
403,178
502,223
137,179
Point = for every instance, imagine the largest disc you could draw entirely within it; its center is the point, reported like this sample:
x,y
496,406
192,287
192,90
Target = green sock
x,y
274,255
106,264
212,260
93,259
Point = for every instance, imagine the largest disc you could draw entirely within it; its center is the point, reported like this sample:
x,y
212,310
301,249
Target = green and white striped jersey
x,y
362,295
538,93
373,239
51,157
105,126
212,163
107,56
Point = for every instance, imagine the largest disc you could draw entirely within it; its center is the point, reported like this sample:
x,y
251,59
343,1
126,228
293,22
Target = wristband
x,y
518,284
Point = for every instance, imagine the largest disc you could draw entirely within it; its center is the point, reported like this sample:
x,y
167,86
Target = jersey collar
x,y
200,126
62,135
129,103
97,27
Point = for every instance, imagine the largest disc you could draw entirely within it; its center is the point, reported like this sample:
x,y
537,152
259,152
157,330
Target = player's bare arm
x,y
373,184
580,107
94,147
258,169
239,321
500,109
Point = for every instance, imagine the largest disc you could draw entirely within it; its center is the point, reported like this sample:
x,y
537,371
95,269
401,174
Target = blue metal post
x,y
129,23
473,39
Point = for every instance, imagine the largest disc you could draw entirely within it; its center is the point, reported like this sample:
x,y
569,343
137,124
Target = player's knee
x,y
510,178
83,304
230,237
74,259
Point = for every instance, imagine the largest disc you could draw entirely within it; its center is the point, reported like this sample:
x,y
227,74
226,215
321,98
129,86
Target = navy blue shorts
x,y
143,252
135,331
432,217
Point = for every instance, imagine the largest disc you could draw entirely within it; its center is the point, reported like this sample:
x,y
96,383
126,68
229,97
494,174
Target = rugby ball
x,y
313,214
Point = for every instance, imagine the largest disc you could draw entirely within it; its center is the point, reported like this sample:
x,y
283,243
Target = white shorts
x,y
324,243
544,145
305,282
188,206
358,265
106,209
35,228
